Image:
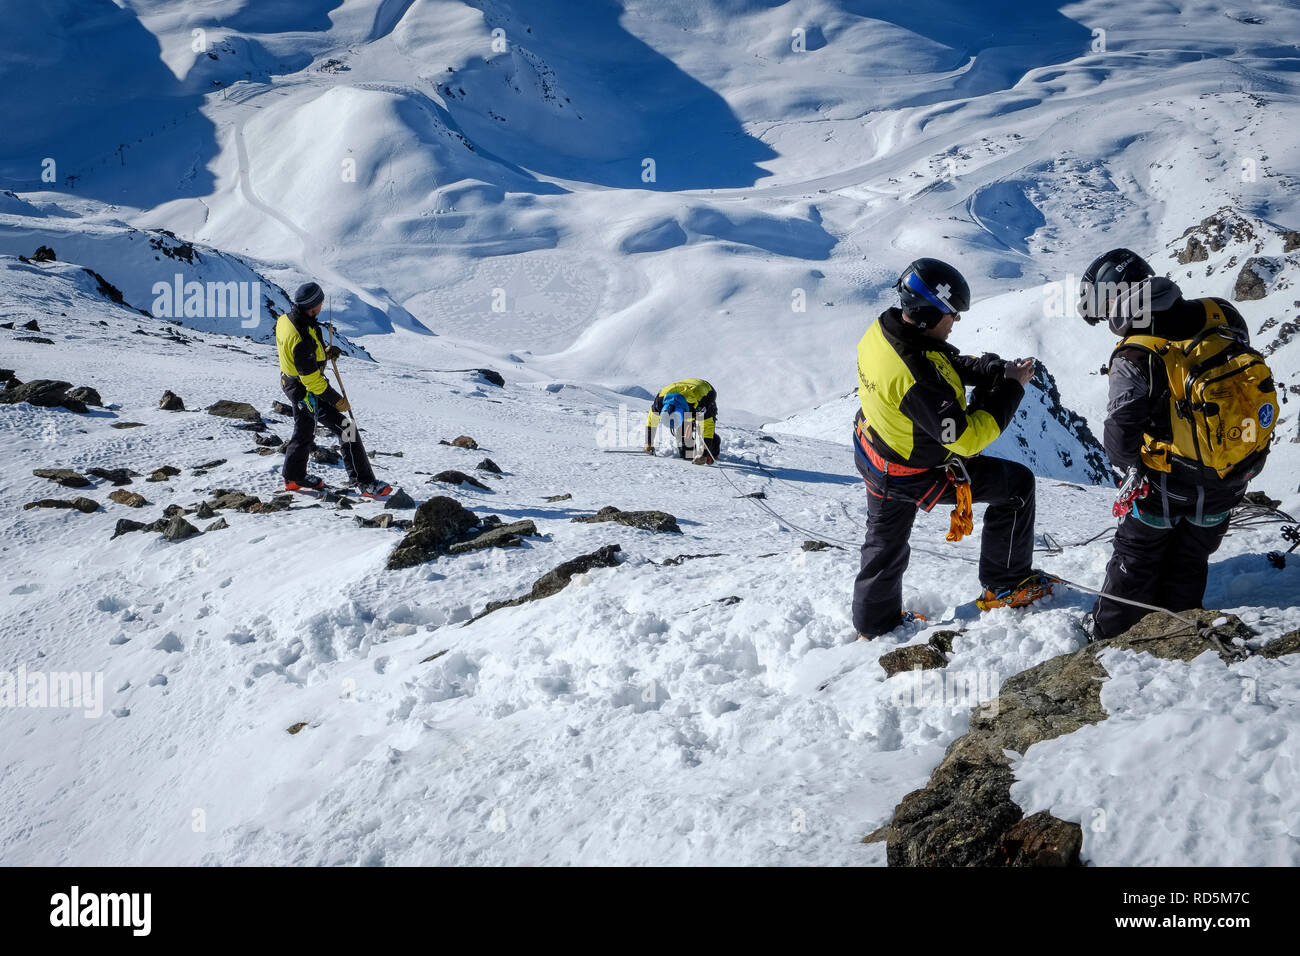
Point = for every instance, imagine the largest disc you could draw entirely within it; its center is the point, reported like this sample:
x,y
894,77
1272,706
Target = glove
x,y
989,366
332,352
343,405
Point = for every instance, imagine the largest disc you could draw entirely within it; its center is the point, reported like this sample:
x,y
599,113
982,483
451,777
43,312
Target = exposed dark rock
x,y
219,525
379,521
464,441
1282,646
493,378
554,498
277,503
459,478
942,640
1194,251
911,657
129,498
438,523
673,562
502,536
268,441
127,425
344,504
768,438
1251,283
326,456
646,520
63,476
399,499
37,339
84,505
178,529
163,473
86,395
235,500
1261,499
965,816
434,656
298,726
487,464
204,511
557,579
241,411
171,511
43,393
31,326
117,476
43,254
7,377
126,526
1042,840
280,408
171,402
820,546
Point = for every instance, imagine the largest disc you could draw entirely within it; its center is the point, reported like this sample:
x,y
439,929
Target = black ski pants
x,y
1006,542
303,441
1166,567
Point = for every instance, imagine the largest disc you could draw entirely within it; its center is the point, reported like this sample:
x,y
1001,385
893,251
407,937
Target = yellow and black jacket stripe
x,y
703,401
302,353
912,390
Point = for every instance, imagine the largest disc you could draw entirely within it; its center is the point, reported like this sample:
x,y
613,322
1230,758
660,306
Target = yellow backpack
x,y
1222,400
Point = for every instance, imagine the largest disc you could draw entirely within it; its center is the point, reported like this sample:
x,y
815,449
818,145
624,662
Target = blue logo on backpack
x,y
1266,414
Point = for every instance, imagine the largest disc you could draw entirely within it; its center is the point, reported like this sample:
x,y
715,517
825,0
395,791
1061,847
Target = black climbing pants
x,y
1166,567
301,443
1006,542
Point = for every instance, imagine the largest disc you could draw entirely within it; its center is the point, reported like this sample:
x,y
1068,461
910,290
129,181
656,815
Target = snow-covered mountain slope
x,y
272,695
597,198
484,169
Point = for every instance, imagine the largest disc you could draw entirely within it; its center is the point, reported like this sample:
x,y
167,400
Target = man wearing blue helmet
x,y
691,408
918,441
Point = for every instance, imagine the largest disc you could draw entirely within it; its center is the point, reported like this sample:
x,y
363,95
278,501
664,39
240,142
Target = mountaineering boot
x,y
1037,585
373,489
309,483
908,617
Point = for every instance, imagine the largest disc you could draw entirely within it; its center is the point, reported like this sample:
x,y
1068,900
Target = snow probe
x,y
352,412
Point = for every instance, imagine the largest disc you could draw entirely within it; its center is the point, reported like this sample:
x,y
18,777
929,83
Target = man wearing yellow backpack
x,y
1191,413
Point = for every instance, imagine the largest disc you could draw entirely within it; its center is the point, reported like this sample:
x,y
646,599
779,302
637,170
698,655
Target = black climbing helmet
x,y
1107,279
929,289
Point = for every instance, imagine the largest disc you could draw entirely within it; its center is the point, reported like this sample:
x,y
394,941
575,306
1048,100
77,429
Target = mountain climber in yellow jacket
x,y
302,361
918,441
691,407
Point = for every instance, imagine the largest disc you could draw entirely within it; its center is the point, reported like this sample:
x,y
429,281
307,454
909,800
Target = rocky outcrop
x,y
453,477
129,498
63,476
645,520
557,579
84,505
164,473
86,395
438,523
399,499
488,465
912,657
464,441
965,815
171,402
114,476
240,411
497,536
1252,281
44,393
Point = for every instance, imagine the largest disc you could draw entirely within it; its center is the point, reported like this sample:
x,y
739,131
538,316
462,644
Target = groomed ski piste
x,y
273,695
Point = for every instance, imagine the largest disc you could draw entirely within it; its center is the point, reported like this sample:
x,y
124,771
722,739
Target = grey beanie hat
x,y
308,296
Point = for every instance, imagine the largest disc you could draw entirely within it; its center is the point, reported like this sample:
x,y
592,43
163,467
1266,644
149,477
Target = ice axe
x,y
334,362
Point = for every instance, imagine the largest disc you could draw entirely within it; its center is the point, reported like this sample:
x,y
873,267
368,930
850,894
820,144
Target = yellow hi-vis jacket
x,y
912,389
703,401
302,354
